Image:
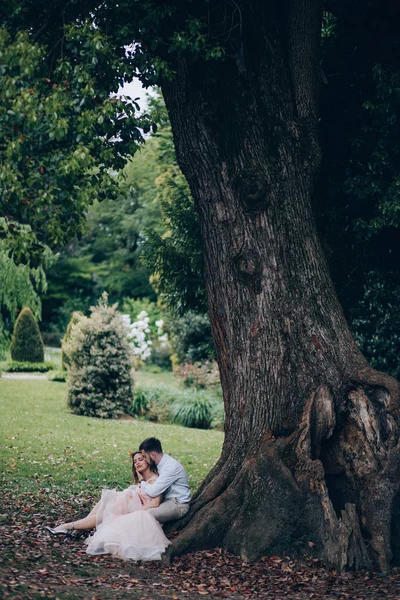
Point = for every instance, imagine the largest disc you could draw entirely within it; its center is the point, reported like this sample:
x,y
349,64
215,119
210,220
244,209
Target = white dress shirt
x,y
172,481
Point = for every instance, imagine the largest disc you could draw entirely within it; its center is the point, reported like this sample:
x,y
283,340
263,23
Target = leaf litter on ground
x,y
35,565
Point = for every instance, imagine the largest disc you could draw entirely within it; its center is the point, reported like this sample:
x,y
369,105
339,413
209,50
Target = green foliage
x,y
72,286
27,367
99,374
358,200
19,286
75,317
194,410
376,322
141,402
218,416
27,344
51,339
62,136
201,375
189,408
377,152
161,355
175,255
191,337
152,403
4,341
108,255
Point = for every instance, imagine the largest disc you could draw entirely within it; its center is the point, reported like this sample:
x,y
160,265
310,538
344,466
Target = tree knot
x,y
252,188
248,268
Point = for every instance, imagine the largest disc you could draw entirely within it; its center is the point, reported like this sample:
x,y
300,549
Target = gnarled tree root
x,y
332,482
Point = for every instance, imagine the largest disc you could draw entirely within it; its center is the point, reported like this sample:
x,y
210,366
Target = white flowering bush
x,y
137,333
99,371
147,333
162,336
162,349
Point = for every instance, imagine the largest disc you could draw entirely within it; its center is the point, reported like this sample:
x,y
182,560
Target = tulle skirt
x,y
125,530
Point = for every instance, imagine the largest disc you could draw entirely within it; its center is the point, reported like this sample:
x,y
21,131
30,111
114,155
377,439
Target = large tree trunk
x,y
311,451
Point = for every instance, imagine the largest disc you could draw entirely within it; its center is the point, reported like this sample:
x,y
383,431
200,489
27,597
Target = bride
x,y
123,525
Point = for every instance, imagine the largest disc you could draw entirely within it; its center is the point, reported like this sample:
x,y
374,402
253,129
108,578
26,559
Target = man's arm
x,y
162,483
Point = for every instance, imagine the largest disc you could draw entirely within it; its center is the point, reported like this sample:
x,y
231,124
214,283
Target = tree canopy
x,y
63,136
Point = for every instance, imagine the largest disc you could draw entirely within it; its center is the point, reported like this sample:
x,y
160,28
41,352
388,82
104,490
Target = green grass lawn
x,y
43,445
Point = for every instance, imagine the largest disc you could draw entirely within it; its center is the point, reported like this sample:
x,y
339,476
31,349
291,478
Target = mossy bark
x,y
311,447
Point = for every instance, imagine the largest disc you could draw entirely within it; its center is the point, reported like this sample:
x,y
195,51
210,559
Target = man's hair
x,y
151,445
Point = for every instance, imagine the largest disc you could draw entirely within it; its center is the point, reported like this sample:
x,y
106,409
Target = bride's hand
x,y
142,496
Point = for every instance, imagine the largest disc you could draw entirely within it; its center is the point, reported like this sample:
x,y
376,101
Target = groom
x,y
172,483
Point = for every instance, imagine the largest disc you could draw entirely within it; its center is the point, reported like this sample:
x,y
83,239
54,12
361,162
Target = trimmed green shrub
x,y
192,410
57,376
99,371
76,315
27,367
27,344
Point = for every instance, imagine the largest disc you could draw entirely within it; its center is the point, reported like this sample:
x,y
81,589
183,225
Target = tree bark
x,y
311,450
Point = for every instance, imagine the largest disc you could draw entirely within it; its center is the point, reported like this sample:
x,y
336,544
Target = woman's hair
x,y
153,468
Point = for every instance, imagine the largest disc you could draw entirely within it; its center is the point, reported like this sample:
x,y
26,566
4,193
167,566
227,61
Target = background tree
x,y
108,255
63,136
174,250
20,286
311,435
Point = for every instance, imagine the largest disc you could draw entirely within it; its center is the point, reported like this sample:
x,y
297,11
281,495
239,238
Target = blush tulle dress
x,y
124,529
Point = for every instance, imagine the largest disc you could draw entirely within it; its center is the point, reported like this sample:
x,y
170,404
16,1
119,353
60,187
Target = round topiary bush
x,y
27,344
99,364
76,315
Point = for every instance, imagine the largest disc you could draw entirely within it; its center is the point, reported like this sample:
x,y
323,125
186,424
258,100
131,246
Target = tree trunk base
x,y
329,488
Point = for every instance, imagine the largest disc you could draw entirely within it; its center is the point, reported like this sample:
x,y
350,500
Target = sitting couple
x,y
128,523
